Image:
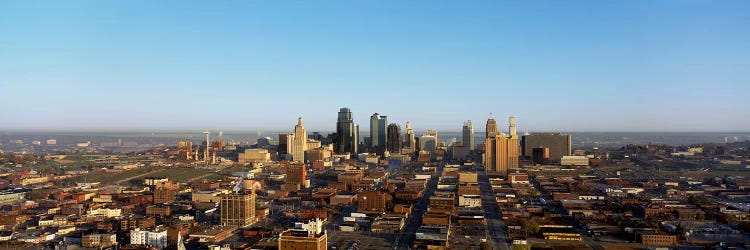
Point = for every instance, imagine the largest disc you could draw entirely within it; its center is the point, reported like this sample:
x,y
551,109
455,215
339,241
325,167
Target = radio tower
x,y
208,145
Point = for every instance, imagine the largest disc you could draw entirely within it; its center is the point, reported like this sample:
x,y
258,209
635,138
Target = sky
x,y
626,65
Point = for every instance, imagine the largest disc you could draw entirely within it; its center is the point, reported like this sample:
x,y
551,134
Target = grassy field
x,y
137,175
183,174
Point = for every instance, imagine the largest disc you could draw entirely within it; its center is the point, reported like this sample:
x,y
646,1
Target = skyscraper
x,y
502,151
428,142
490,129
394,138
346,133
378,130
468,134
559,145
299,145
410,141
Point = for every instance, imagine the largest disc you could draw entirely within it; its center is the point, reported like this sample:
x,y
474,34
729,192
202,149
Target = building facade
x,y
394,138
559,145
378,130
502,152
299,144
468,135
237,209
346,133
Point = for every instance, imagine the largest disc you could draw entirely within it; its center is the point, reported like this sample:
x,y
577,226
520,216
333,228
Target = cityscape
x,y
374,125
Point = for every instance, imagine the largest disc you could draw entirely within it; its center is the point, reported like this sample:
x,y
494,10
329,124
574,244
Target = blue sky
x,y
556,65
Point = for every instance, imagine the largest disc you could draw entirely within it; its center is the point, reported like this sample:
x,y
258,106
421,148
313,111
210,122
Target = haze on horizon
x,y
236,65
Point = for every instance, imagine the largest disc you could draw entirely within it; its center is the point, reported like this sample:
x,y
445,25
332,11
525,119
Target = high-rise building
x,y
428,142
285,144
346,133
539,155
559,145
502,152
468,134
410,142
394,138
300,142
237,209
378,130
490,129
304,236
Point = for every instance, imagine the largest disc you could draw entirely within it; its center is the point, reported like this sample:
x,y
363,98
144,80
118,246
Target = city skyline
x,y
580,66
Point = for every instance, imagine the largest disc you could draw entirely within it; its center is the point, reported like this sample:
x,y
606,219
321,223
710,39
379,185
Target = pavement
x,y
495,226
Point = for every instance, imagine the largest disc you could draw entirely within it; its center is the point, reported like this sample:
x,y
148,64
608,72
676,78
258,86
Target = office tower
x,y
428,142
378,130
304,236
468,134
559,145
237,209
490,129
502,151
539,155
285,142
410,141
300,142
394,138
347,133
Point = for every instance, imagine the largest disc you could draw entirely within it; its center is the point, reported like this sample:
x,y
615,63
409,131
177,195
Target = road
x,y
495,227
406,238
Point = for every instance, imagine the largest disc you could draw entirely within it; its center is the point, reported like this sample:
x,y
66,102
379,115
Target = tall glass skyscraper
x,y
394,138
378,131
346,132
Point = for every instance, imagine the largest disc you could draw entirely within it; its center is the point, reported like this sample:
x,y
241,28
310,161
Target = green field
x,y
137,175
183,174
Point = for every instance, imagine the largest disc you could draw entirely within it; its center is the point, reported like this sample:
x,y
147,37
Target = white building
x,y
470,200
574,160
157,239
106,212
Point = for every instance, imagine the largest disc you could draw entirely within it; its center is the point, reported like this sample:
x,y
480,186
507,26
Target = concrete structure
x,y
378,130
285,144
394,141
410,141
539,155
347,134
254,155
304,236
574,160
559,145
502,152
428,143
299,142
468,135
237,209
490,129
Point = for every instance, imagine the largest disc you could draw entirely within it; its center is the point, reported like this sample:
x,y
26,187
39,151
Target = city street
x,y
406,238
495,227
